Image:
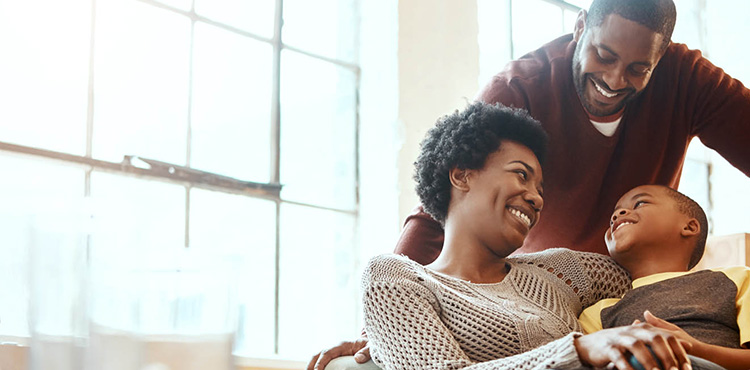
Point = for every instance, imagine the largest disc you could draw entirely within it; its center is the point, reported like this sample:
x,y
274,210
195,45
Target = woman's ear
x,y
580,25
691,228
459,178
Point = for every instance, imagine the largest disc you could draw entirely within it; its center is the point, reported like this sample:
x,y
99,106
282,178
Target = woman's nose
x,y
535,199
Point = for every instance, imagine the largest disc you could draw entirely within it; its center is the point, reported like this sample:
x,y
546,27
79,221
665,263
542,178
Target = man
x,y
620,103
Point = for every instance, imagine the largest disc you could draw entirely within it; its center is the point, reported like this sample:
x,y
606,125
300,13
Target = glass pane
x,y
325,27
179,4
694,182
231,104
141,83
318,132
244,229
583,4
134,218
30,187
44,73
254,16
318,273
535,23
569,21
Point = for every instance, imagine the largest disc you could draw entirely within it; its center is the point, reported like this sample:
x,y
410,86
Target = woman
x,y
477,307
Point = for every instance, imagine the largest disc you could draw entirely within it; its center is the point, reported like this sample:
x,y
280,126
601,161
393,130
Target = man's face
x,y
613,63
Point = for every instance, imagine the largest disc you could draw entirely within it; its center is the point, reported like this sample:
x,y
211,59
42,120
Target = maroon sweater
x,y
587,172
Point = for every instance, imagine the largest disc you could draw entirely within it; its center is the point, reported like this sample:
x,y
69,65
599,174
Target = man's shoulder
x,y
540,62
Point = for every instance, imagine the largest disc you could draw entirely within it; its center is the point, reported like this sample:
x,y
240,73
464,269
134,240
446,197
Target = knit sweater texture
x,y
586,172
416,318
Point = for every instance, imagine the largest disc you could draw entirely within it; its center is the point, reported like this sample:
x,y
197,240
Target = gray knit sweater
x,y
416,318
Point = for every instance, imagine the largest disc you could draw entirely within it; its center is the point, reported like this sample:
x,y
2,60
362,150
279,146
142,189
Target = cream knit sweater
x,y
416,318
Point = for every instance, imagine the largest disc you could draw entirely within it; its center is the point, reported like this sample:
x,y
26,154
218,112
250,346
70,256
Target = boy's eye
x,y
638,203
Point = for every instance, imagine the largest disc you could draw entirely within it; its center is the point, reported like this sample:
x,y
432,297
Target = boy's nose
x,y
616,214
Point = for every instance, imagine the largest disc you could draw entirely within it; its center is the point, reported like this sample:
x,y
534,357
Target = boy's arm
x,y
730,358
591,317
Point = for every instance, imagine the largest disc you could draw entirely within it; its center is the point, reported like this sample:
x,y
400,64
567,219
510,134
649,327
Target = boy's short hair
x,y
692,209
464,140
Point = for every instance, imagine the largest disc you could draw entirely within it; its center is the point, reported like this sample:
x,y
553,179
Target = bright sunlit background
x,y
332,105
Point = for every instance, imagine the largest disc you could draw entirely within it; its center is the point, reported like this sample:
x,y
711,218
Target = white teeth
x,y
521,216
601,91
623,224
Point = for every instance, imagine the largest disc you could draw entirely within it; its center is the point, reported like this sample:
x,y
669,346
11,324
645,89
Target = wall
x,y
438,65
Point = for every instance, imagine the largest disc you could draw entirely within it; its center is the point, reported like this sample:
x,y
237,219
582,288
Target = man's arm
x,y
422,238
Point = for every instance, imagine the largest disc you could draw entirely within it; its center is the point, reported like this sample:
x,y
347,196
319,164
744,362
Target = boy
x,y
658,234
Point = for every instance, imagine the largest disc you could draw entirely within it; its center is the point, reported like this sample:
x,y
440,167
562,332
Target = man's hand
x,y
358,349
612,345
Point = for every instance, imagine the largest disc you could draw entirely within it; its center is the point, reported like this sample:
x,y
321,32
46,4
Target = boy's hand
x,y
612,346
686,339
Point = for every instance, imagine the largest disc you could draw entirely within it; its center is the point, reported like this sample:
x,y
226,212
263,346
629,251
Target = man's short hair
x,y
656,15
692,209
464,140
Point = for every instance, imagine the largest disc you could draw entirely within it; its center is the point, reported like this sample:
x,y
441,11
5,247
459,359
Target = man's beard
x,y
580,81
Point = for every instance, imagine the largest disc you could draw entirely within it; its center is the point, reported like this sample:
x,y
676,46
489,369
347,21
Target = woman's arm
x,y
404,327
403,323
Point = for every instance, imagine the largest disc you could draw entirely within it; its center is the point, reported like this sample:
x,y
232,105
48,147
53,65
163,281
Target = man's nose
x,y
615,79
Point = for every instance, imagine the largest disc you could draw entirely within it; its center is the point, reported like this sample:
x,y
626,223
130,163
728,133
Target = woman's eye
x,y
522,174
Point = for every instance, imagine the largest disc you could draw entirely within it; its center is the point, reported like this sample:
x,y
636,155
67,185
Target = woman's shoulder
x,y
564,257
576,266
392,267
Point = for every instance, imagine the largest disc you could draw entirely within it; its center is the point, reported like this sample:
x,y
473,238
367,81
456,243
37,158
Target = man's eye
x,y
640,71
604,60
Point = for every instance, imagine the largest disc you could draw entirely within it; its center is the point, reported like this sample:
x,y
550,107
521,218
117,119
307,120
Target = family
x,y
592,128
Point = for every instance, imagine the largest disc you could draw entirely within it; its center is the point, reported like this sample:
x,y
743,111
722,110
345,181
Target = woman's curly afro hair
x,y
464,140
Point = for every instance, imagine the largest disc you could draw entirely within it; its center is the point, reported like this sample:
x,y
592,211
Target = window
x,y
199,124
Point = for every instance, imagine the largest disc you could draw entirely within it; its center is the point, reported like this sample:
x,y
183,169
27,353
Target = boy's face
x,y
646,222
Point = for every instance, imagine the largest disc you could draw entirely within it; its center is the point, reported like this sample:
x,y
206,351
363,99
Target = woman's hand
x,y
359,349
607,346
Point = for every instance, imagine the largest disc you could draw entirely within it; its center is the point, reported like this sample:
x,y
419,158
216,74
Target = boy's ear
x,y
691,228
459,178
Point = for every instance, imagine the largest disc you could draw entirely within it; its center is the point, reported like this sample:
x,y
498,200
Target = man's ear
x,y
459,178
691,228
580,25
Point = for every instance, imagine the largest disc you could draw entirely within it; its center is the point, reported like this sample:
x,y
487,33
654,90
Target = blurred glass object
x,y
58,290
243,229
29,186
164,310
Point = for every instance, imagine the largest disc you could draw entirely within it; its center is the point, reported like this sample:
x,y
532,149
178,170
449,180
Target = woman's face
x,y
504,197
